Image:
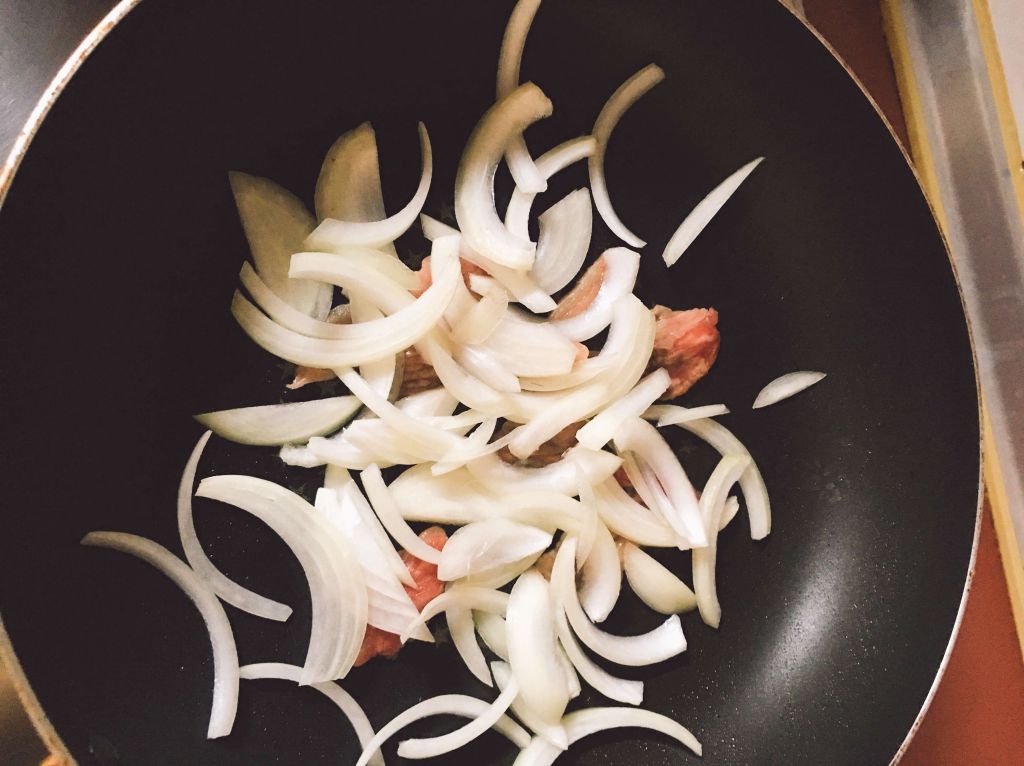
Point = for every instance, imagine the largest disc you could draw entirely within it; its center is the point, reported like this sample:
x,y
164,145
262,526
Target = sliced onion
x,y
785,387
583,372
350,495
434,402
673,414
469,597
553,733
474,187
583,723
660,644
621,100
602,576
712,504
682,513
480,548
565,230
485,365
333,234
621,268
560,477
445,704
370,340
348,187
389,516
481,320
524,171
602,428
626,518
612,687
704,211
346,703
337,590
300,456
236,595
528,347
517,215
452,498
389,606
468,389
732,507
475,445
276,424
518,283
276,223
384,376
225,656
336,477
655,585
755,493
492,629
463,632
533,648
446,743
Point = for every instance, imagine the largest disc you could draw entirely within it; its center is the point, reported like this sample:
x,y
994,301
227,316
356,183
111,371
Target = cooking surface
x,y
703,278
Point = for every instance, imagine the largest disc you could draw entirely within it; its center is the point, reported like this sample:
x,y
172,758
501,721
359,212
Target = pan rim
x,y
41,722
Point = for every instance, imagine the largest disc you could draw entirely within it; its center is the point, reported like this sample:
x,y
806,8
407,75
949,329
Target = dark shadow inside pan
x,y
121,248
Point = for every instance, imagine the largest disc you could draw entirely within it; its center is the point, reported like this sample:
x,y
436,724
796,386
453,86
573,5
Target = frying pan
x,y
120,252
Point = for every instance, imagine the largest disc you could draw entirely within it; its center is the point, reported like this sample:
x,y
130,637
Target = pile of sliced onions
x,y
539,551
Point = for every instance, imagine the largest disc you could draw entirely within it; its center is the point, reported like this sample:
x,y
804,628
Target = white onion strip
x,y
560,477
445,704
619,689
482,547
446,743
275,223
655,585
464,597
384,505
533,648
520,163
346,703
673,414
564,240
474,186
236,595
712,504
625,517
602,576
492,630
372,341
333,234
350,494
704,211
786,386
602,428
485,365
481,320
519,283
621,100
463,632
755,493
660,644
517,214
583,723
621,268
277,424
553,733
225,656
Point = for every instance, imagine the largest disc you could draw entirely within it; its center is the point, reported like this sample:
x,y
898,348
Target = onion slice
x,y
474,186
482,547
553,733
565,231
589,721
225,655
333,234
602,576
755,493
673,414
470,597
621,100
446,704
463,632
660,644
533,648
446,743
712,505
524,171
655,585
786,386
621,268
387,512
236,595
275,224
619,689
277,424
626,518
602,428
482,319
704,211
346,703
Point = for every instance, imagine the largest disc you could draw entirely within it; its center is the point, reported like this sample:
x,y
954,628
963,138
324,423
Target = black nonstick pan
x,y
120,249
